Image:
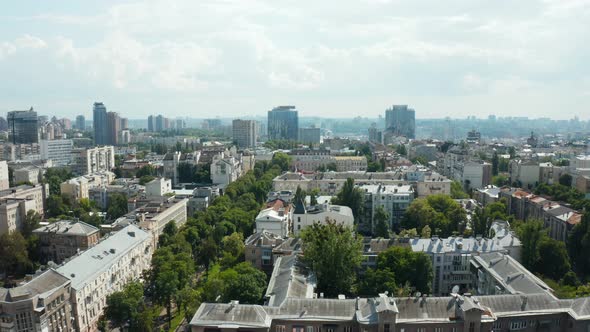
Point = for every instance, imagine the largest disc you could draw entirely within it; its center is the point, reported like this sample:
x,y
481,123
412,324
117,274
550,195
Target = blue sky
x,y
330,58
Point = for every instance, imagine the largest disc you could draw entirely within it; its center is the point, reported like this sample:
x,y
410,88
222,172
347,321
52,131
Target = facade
x,y
23,127
100,123
244,133
28,174
158,187
81,123
101,194
104,269
394,199
451,258
525,174
311,160
304,217
63,239
4,177
78,188
113,128
13,212
40,305
424,181
59,151
96,159
226,167
475,174
283,123
401,121
310,135
276,218
258,250
36,193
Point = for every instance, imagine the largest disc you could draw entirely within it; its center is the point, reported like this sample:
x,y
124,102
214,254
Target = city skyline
x,y
456,58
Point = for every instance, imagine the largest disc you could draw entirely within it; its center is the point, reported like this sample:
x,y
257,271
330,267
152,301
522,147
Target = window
x,y
438,329
386,328
298,329
471,327
518,325
280,328
309,329
348,329
421,329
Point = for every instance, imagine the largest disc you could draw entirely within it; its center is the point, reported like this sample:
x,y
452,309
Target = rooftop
x,y
68,227
39,285
86,266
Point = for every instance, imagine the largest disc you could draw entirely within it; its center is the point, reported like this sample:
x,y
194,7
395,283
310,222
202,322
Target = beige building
x,y
104,269
92,160
13,212
40,305
78,188
63,239
4,183
29,174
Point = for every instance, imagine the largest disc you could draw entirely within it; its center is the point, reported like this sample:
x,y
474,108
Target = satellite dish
x,y
455,289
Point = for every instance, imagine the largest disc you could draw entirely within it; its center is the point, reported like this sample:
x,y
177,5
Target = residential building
x,y
524,173
4,177
451,258
474,174
101,194
81,123
113,128
151,124
36,193
283,123
104,269
426,151
394,199
311,160
401,121
23,127
487,195
304,217
153,213
497,273
40,304
244,133
276,218
226,167
28,174
290,279
59,151
13,212
258,249
158,187
63,239
424,181
473,137
96,159
101,123
78,187
311,135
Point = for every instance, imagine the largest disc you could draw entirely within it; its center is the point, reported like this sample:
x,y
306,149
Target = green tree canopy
x,y
410,267
381,220
350,196
441,213
333,253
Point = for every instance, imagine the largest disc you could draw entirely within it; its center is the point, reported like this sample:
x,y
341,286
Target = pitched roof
x,y
68,227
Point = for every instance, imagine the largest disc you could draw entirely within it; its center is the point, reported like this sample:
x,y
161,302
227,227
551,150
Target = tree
x,y
426,232
123,306
401,149
117,205
381,223
282,160
350,196
333,254
553,260
299,196
146,170
500,180
440,212
145,179
457,191
495,164
249,285
54,177
565,180
31,222
14,258
410,267
377,281
579,245
531,234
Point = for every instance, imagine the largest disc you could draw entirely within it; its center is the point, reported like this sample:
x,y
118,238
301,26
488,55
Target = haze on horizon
x,y
332,59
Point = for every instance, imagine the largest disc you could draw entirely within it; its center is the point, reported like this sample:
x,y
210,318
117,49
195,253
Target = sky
x,y
232,58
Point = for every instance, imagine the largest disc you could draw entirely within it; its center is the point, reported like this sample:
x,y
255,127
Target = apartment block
x,y
59,151
92,160
394,199
104,269
41,304
304,217
63,239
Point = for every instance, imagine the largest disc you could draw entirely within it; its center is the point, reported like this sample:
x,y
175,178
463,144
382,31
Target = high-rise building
x,y
100,123
244,133
81,122
23,127
180,124
283,123
113,128
309,135
124,123
59,151
151,123
159,122
401,121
